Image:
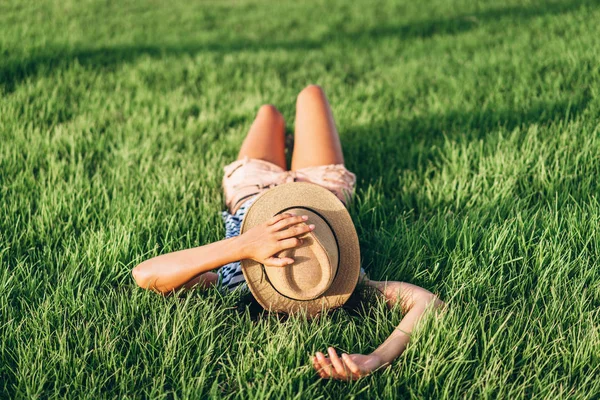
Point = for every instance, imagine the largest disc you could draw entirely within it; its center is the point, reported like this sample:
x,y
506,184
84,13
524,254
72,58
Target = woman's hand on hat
x,y
263,242
348,367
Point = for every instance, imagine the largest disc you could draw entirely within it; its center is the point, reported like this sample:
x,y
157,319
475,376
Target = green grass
x,y
473,130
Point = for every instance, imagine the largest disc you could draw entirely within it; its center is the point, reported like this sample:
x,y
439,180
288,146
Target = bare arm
x,y
414,301
171,271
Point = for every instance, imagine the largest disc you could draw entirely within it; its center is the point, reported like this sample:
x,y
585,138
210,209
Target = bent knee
x,y
270,111
141,276
311,92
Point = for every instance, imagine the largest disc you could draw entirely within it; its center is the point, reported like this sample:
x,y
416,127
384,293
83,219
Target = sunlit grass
x,y
473,130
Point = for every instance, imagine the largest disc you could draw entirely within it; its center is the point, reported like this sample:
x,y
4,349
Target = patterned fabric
x,y
230,275
250,176
244,179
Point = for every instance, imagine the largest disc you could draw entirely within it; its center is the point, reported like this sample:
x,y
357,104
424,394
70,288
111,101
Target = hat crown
x,y
305,197
315,262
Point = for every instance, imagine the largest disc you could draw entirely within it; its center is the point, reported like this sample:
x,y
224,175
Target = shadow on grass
x,y
421,136
12,72
412,144
409,143
359,305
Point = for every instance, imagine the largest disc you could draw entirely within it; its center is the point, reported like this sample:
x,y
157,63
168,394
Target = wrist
x,y
379,359
241,249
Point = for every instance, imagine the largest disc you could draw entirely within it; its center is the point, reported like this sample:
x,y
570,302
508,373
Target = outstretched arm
x,y
171,271
414,301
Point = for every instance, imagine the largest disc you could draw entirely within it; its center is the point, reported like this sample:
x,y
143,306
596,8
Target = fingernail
x,y
290,262
304,217
311,226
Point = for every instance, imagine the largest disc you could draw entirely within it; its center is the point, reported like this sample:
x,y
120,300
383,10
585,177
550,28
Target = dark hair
x,y
360,301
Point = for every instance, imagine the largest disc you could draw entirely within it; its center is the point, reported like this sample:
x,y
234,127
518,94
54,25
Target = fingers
x,y
334,367
278,262
337,363
294,231
289,243
278,218
288,220
318,368
327,369
351,364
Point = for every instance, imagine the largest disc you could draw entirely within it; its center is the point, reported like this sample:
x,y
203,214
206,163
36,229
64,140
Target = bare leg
x,y
266,137
414,302
265,140
316,140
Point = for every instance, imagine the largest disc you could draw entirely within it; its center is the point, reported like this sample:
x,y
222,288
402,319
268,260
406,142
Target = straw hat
x,y
326,266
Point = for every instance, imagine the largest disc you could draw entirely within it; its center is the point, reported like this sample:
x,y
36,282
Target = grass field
x,y
473,128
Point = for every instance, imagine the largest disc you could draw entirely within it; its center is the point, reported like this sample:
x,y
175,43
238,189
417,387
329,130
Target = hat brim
x,y
331,209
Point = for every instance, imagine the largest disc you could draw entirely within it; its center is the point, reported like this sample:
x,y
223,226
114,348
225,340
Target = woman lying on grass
x,y
261,166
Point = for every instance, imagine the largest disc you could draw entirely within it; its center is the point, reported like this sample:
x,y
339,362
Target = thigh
x,y
246,178
335,178
316,140
266,138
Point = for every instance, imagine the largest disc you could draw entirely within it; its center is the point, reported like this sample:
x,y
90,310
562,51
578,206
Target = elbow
x,y
146,280
143,277
140,276
438,303
433,301
427,299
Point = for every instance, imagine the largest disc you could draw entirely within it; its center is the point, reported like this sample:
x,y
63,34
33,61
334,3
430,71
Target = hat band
x,y
307,279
